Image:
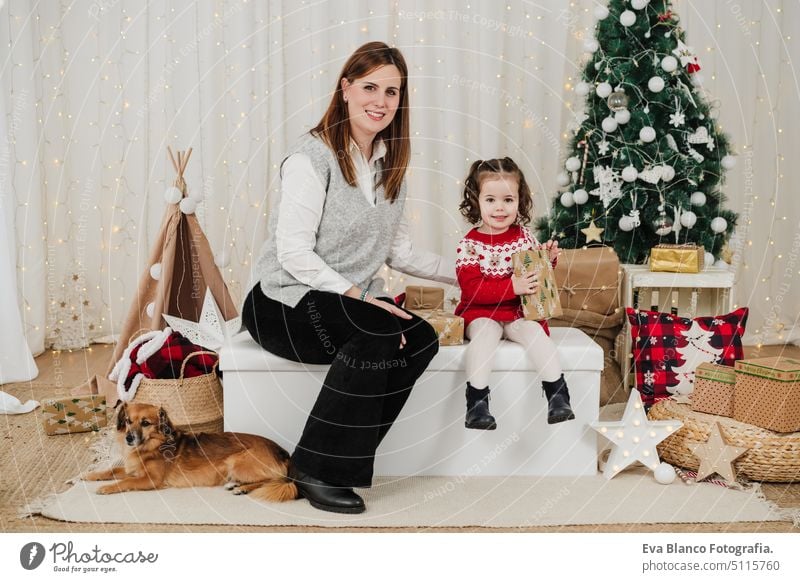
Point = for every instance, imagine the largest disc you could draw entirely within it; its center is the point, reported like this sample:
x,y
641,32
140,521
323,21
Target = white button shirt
x,y
299,214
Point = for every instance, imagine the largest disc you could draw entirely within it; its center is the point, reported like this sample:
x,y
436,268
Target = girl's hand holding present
x,y
525,284
552,248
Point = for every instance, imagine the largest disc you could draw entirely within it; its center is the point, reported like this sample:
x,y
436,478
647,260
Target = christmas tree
x,y
698,350
646,158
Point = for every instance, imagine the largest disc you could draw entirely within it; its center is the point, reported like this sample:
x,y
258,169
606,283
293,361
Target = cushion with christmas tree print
x,y
667,349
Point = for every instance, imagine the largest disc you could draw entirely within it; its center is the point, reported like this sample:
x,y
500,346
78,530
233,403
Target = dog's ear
x,y
164,424
122,416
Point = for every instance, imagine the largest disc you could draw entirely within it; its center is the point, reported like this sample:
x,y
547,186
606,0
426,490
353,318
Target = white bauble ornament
x,y
609,124
582,89
188,205
664,473
573,164
625,223
150,309
697,198
720,264
728,162
667,172
622,116
639,4
172,195
698,79
688,219
669,63
567,201
590,45
598,65
630,173
719,224
562,179
603,90
580,196
155,271
600,12
655,84
627,18
222,258
647,134
708,259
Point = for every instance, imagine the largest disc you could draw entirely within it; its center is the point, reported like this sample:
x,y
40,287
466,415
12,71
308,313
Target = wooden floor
x,y
60,458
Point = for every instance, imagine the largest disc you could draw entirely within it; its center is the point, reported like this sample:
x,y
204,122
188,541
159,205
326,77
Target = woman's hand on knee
x,y
394,310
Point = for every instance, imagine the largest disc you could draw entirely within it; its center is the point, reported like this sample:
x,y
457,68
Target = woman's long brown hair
x,y
334,127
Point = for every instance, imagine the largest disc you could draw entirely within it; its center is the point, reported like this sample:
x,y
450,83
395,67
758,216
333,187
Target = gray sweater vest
x,y
354,237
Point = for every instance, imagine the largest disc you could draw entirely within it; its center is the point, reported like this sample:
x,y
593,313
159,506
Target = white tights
x,y
484,336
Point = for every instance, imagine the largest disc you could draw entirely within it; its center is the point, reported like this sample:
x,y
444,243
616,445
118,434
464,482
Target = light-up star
x,y
212,331
716,456
634,438
593,232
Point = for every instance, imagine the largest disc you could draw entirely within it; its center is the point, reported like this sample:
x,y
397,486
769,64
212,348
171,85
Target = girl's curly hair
x,y
478,172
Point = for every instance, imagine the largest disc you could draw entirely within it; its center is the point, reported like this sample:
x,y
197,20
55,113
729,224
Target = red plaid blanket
x,y
159,355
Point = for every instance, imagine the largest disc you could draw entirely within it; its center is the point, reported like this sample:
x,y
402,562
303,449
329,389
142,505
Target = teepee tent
x,y
180,269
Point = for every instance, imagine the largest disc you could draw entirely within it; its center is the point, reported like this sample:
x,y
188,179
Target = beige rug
x,y
631,497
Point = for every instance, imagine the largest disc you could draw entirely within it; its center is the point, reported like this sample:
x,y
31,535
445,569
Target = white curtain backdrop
x,y
101,87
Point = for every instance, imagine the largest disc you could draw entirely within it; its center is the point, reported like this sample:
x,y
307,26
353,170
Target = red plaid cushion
x,y
667,349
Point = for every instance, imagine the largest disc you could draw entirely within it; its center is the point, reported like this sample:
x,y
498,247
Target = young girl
x,y
497,198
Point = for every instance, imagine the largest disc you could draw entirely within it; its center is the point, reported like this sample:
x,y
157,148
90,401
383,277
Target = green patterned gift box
x,y
74,414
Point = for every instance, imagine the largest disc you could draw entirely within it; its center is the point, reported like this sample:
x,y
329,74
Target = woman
x,y
338,220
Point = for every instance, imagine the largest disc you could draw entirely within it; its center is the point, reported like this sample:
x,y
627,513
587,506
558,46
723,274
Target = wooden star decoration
x,y
454,301
593,232
716,455
212,331
634,438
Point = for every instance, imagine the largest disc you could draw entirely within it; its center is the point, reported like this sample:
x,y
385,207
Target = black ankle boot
x,y
478,415
558,409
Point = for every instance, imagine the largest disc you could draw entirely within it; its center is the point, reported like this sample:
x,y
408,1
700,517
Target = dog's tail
x,y
276,490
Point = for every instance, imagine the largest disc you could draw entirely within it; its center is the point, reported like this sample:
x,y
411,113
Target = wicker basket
x,y
193,404
773,457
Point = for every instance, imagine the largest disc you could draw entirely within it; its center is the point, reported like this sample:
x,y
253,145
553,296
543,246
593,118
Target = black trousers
x,y
369,380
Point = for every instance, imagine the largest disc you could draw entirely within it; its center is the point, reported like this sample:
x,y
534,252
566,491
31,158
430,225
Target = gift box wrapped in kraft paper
x,y
74,414
422,297
688,258
588,279
713,389
767,393
544,304
449,327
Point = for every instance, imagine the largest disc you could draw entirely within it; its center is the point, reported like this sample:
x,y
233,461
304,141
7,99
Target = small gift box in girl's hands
x,y
545,303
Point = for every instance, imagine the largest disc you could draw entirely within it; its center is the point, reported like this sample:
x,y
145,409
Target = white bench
x,y
271,396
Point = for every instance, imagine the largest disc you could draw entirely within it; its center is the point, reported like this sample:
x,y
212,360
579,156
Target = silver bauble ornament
x,y
617,101
662,225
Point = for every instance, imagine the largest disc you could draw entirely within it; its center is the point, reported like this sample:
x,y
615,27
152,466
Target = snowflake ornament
x,y
677,119
649,378
602,147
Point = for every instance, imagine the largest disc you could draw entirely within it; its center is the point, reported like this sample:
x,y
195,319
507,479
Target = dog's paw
x,y
231,485
240,490
107,490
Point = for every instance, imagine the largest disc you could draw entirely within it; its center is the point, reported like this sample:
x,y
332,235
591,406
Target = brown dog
x,y
159,456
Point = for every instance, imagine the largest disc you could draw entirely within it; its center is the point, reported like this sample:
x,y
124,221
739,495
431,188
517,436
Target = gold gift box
x,y
449,327
687,258
74,414
545,304
422,297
